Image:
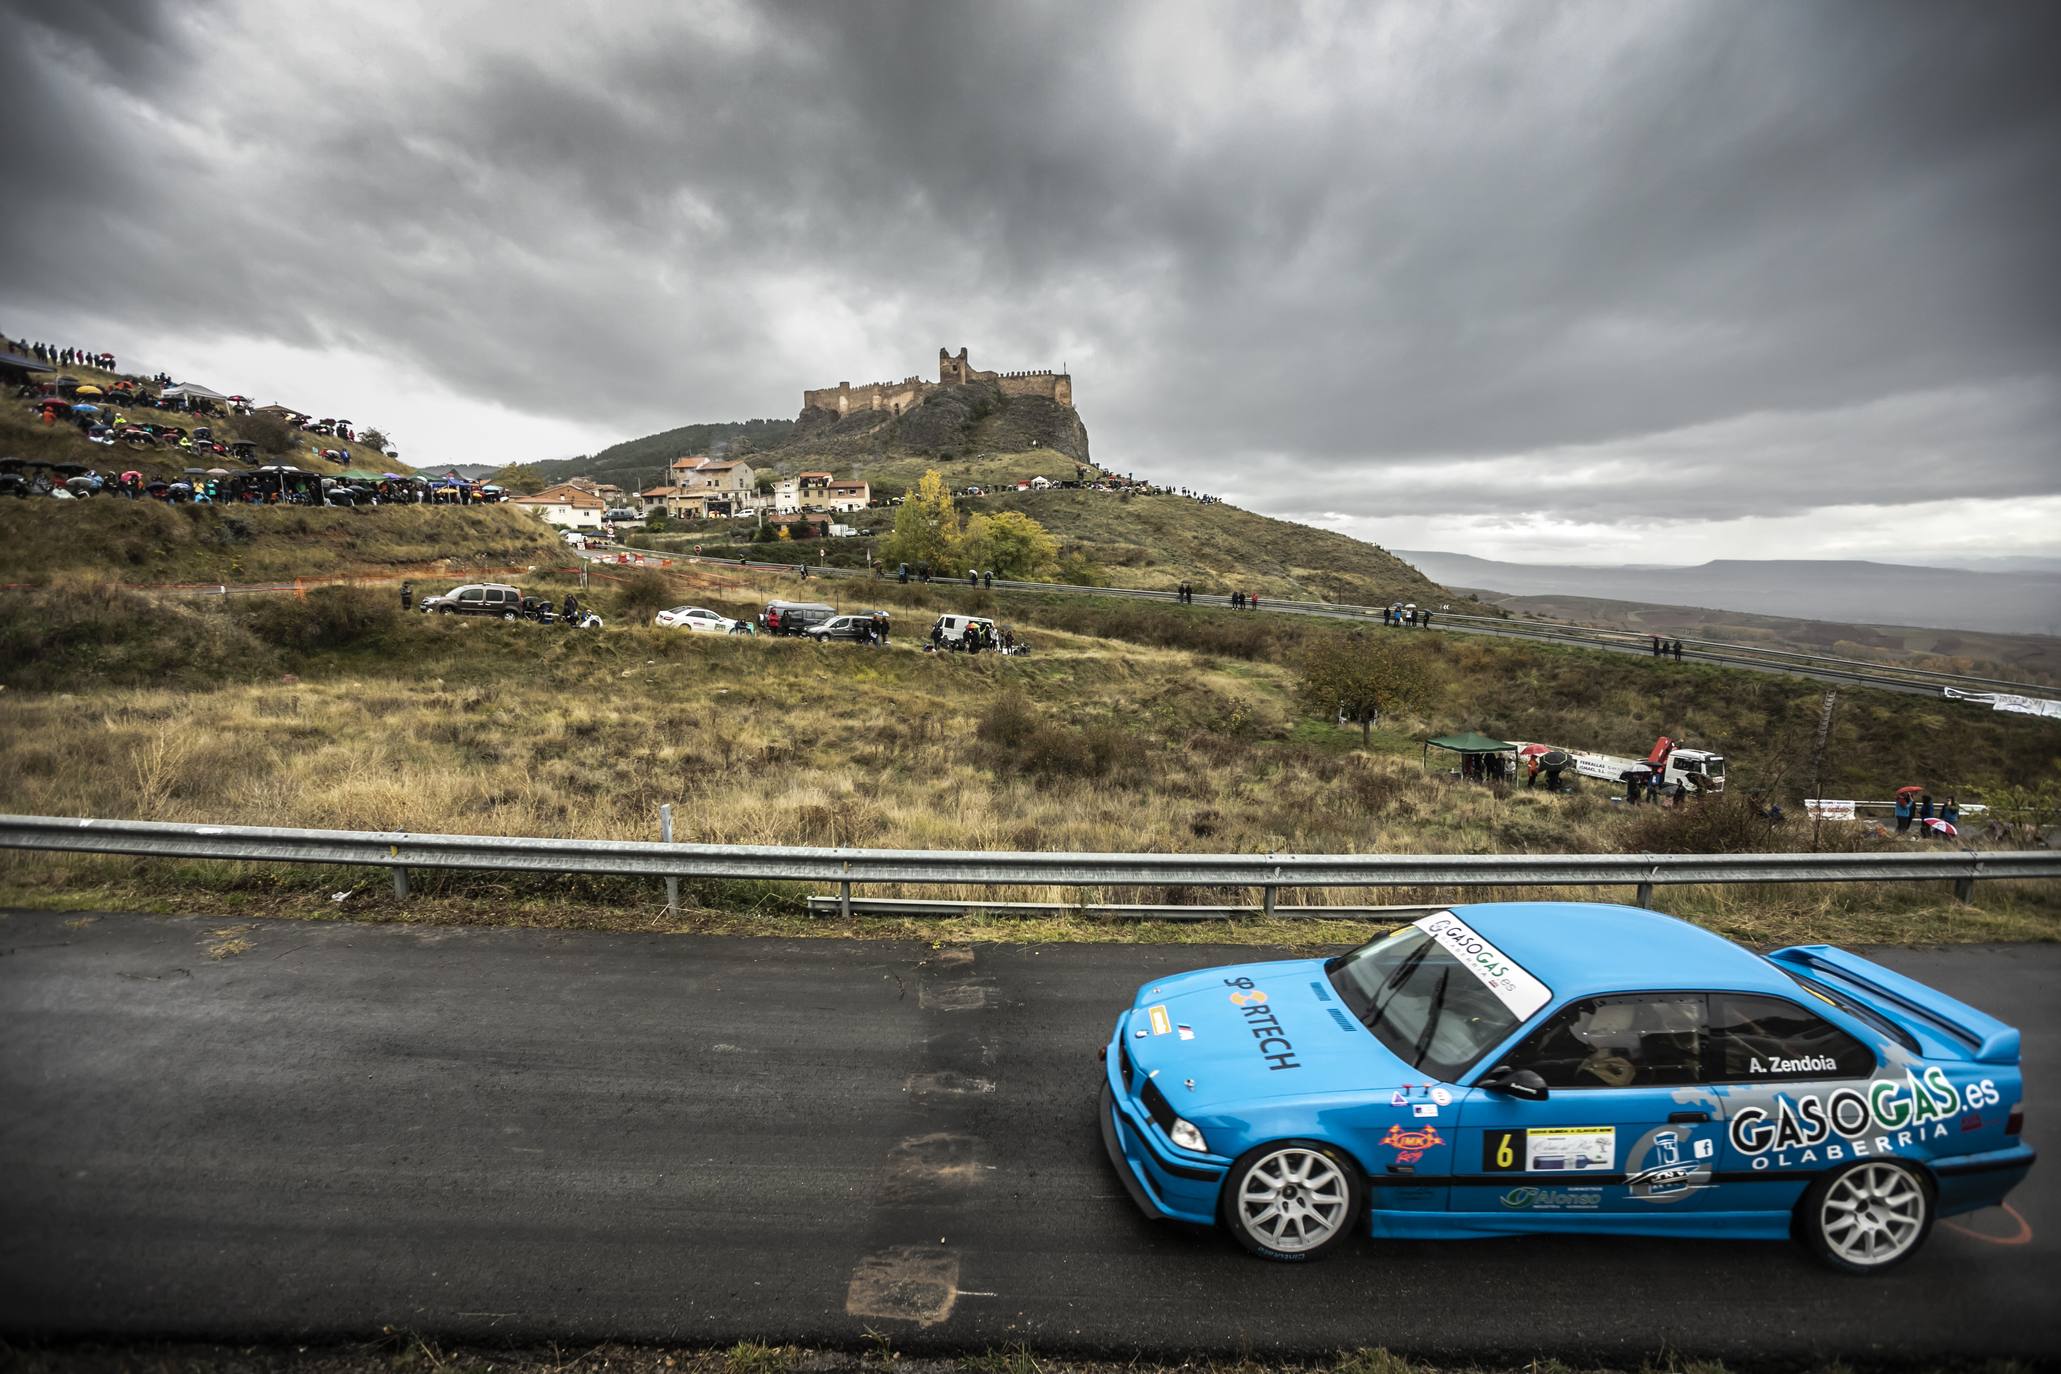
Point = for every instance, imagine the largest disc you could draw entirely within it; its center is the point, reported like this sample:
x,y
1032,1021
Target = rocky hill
x,y
955,422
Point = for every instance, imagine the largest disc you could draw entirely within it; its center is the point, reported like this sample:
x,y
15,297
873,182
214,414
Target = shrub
x,y
640,596
1020,740
1729,823
326,618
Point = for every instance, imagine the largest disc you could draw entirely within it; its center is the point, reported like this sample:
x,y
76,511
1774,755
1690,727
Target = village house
x,y
847,496
565,505
724,488
803,491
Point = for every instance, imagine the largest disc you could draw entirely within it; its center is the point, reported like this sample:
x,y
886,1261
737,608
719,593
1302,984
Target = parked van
x,y
794,617
950,629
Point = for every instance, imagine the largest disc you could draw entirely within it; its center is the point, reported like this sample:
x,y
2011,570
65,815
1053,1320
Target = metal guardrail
x,y
400,851
1887,676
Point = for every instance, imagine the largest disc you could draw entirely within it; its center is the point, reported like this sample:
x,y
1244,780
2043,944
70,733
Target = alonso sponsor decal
x,y
1881,1116
1513,987
1554,1199
1274,1045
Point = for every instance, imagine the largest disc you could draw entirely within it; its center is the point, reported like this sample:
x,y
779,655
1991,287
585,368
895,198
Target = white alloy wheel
x,y
1291,1201
1868,1217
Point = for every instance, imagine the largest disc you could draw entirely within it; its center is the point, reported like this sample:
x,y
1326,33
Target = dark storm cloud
x,y
1351,259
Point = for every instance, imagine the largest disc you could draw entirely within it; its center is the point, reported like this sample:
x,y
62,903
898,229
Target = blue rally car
x,y
1563,1067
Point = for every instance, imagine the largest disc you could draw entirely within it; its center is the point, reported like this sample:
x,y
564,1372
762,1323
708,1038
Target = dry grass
x,y
439,724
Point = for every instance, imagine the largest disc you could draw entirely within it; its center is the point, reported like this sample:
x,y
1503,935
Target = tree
x,y
926,527
373,438
520,478
1358,678
1013,545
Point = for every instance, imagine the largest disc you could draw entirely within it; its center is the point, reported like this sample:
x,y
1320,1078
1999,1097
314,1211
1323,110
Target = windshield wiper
x,y
1393,984
1438,1002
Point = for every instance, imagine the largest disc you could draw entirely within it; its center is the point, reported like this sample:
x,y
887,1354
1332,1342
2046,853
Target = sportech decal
x,y
1274,1046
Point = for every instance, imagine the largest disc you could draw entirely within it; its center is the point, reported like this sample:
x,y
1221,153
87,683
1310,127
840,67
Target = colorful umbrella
x,y
86,410
1940,827
89,391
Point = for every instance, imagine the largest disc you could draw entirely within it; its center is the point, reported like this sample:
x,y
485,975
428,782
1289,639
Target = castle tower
x,y
953,371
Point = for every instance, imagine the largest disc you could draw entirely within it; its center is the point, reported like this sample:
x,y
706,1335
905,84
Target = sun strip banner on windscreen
x,y
1513,987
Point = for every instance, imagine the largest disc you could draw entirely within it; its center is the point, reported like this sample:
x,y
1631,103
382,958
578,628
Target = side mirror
x,y
1518,1083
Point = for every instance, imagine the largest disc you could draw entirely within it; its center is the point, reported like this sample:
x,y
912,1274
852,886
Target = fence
x,y
401,851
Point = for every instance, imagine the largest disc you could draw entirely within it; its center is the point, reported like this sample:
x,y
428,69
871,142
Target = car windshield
x,y
1429,1009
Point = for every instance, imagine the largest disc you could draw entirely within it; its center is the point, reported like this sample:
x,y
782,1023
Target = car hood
x,y
1249,1031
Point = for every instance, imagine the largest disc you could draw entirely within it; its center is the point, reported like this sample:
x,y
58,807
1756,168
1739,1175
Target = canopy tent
x,y
192,391
18,368
1481,757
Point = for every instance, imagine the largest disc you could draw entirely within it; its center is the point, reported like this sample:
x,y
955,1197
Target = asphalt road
x,y
530,1135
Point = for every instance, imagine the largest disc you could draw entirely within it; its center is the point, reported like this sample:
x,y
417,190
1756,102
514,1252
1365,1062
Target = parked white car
x,y
695,618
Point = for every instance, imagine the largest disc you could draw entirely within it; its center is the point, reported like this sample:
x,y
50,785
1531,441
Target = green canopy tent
x,y
1481,759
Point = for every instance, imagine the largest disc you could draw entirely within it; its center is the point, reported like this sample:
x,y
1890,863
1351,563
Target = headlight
x,y
1187,1137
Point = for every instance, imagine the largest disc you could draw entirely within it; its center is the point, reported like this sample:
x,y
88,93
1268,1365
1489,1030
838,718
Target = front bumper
x,y
1161,1185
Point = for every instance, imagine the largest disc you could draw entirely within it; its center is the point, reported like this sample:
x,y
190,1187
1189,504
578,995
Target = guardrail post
x,y
1645,897
1964,889
401,884
665,832
1267,900
844,898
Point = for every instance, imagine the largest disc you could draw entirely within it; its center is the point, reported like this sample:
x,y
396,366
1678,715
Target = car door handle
x,y
1684,1118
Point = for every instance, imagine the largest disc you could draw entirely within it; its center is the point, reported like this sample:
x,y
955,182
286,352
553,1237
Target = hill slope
x,y
1813,589
636,464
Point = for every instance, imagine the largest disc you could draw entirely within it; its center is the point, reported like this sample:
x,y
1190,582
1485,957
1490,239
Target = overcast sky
x,y
1642,281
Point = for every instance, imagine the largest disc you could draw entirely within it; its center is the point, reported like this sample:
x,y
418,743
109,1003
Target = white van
x,y
950,629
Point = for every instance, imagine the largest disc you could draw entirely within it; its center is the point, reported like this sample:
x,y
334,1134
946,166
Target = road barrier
x,y
400,851
1823,667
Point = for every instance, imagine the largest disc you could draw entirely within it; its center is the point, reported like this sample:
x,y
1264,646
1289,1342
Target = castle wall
x,y
897,397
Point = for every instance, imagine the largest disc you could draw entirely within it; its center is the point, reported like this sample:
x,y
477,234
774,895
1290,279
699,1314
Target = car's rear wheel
x,y
508,615
1867,1217
1292,1200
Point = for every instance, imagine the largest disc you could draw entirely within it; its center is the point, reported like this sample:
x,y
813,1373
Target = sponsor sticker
x,y
1554,1199
1424,1109
1162,1024
1513,987
1185,1032
1550,1149
1410,1143
1442,1096
1275,1048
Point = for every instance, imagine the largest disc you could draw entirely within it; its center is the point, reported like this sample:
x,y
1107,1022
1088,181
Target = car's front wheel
x,y
1292,1200
1867,1217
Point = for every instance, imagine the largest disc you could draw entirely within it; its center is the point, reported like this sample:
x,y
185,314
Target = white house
x,y
565,505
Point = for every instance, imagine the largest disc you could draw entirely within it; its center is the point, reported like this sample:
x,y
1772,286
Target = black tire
x,y
1250,1173
1886,1199
509,615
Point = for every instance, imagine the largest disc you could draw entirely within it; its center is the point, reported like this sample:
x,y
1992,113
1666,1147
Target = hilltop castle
x,y
897,397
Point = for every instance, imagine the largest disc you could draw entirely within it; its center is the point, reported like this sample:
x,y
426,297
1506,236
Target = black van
x,y
794,617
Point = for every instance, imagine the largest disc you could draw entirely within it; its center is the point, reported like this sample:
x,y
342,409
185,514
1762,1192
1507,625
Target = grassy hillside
x,y
1110,739
24,435
149,541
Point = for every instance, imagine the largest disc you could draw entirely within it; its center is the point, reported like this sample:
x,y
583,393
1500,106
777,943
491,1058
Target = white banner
x,y
1829,810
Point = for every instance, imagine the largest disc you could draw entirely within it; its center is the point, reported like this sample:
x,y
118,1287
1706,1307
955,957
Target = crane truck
x,y
1697,769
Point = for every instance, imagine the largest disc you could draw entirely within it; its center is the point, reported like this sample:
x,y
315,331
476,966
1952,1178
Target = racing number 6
x,y
1504,1158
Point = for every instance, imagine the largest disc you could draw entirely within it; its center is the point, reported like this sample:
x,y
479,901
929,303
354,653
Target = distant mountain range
x,y
1855,592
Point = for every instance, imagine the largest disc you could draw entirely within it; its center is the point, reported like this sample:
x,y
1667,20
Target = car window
x,y
1762,1039
472,593
1428,1008
1643,1040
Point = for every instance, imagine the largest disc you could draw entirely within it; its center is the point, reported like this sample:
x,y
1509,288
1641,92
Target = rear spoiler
x,y
1988,1040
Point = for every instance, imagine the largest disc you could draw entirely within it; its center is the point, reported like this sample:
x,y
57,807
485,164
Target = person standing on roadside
x,y
1950,813
1678,651
407,595
1924,815
1903,812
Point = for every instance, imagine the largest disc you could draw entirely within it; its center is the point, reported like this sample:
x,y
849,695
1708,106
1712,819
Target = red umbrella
x,y
1907,791
1940,827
